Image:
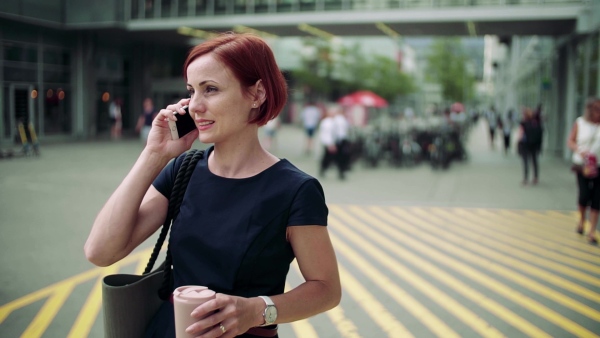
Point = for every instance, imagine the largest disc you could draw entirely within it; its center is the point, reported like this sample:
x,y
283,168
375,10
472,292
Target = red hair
x,y
250,59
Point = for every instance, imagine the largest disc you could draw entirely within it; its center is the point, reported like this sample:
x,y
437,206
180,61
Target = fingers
x,y
217,318
178,107
165,115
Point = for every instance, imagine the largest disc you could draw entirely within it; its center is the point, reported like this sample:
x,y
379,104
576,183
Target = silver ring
x,y
222,328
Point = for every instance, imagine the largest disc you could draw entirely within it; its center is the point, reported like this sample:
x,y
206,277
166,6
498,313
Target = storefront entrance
x,y
18,107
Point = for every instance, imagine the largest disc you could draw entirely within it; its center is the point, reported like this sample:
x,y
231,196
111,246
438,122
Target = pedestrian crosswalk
x,y
410,272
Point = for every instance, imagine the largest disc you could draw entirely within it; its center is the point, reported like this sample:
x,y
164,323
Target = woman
x,y
530,139
115,119
144,123
246,214
583,140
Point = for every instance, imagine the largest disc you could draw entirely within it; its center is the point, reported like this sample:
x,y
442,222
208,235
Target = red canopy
x,y
457,107
363,98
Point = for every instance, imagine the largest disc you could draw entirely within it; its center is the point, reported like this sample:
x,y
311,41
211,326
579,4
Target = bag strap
x,y
181,181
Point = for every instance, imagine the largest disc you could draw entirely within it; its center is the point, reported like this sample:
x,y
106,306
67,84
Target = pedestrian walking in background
x,y
270,130
530,143
342,143
333,134
492,120
507,127
144,123
246,214
584,141
311,116
115,115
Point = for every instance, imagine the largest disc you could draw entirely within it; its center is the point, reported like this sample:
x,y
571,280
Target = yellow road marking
x,y
451,305
571,216
302,328
141,266
477,297
498,287
46,314
88,314
557,250
33,297
374,309
402,297
536,259
534,221
344,326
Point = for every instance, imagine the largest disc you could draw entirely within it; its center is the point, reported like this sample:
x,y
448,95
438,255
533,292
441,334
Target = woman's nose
x,y
196,107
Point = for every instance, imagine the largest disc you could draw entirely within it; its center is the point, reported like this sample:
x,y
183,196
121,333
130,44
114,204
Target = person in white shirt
x,y
584,142
333,134
311,115
342,127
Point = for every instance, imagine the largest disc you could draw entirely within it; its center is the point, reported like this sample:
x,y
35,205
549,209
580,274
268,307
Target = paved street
x,y
464,252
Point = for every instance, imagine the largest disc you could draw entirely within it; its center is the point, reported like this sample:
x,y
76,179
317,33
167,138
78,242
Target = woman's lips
x,y
204,124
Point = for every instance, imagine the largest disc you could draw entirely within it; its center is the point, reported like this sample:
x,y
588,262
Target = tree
x,y
340,70
447,66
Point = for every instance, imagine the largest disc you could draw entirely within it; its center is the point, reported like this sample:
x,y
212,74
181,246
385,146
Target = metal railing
x,y
162,9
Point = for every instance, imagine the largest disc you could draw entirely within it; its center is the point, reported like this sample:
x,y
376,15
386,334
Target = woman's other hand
x,y
236,315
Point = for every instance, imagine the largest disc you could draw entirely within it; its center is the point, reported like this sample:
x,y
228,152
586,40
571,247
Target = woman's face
x,y
217,101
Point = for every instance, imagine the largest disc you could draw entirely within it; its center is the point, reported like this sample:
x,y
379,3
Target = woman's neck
x,y
240,160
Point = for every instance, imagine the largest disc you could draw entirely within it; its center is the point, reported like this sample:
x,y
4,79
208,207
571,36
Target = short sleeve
x,y
166,178
308,206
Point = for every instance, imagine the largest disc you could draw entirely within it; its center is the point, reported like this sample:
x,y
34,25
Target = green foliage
x,y
447,65
346,69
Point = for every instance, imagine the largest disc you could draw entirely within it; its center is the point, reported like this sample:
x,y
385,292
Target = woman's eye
x,y
190,93
210,89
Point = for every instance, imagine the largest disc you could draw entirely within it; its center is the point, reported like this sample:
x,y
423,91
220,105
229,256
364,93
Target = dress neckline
x,y
270,168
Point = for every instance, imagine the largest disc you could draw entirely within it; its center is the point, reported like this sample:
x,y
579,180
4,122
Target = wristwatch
x,y
270,314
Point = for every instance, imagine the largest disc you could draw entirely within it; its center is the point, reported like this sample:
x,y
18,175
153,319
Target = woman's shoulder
x,y
285,170
289,177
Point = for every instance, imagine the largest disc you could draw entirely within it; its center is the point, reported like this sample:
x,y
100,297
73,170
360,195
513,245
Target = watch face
x,y
271,314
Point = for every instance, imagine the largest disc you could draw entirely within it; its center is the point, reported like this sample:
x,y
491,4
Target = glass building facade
x,y
63,61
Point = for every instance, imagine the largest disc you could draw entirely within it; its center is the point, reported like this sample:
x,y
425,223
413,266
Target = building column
x,y
84,80
598,69
570,97
2,98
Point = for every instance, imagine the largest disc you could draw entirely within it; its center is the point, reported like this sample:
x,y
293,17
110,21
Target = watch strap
x,y
269,303
267,300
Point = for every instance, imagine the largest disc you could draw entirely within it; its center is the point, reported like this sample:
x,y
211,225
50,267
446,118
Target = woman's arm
x,y
136,209
132,213
321,290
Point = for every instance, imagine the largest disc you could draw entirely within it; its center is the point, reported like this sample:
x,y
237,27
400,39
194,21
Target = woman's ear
x,y
259,93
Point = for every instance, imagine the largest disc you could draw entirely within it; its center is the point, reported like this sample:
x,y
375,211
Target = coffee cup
x,y
185,300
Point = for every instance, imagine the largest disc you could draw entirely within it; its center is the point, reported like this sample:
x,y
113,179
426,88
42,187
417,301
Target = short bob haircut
x,y
250,59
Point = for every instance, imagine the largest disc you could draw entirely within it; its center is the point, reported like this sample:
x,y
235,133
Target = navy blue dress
x,y
230,234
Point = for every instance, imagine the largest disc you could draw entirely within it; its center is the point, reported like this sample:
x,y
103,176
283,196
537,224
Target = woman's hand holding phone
x,y
183,126
160,139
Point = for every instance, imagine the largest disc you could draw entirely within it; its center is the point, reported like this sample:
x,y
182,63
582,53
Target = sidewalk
x,y
487,179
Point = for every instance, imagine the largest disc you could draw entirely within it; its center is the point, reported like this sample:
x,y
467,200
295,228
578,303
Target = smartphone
x,y
183,126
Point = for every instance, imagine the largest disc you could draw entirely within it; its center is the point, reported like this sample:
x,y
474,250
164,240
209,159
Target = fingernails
x,y
194,314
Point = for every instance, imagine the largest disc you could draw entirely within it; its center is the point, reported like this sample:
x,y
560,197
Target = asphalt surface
x,y
48,203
